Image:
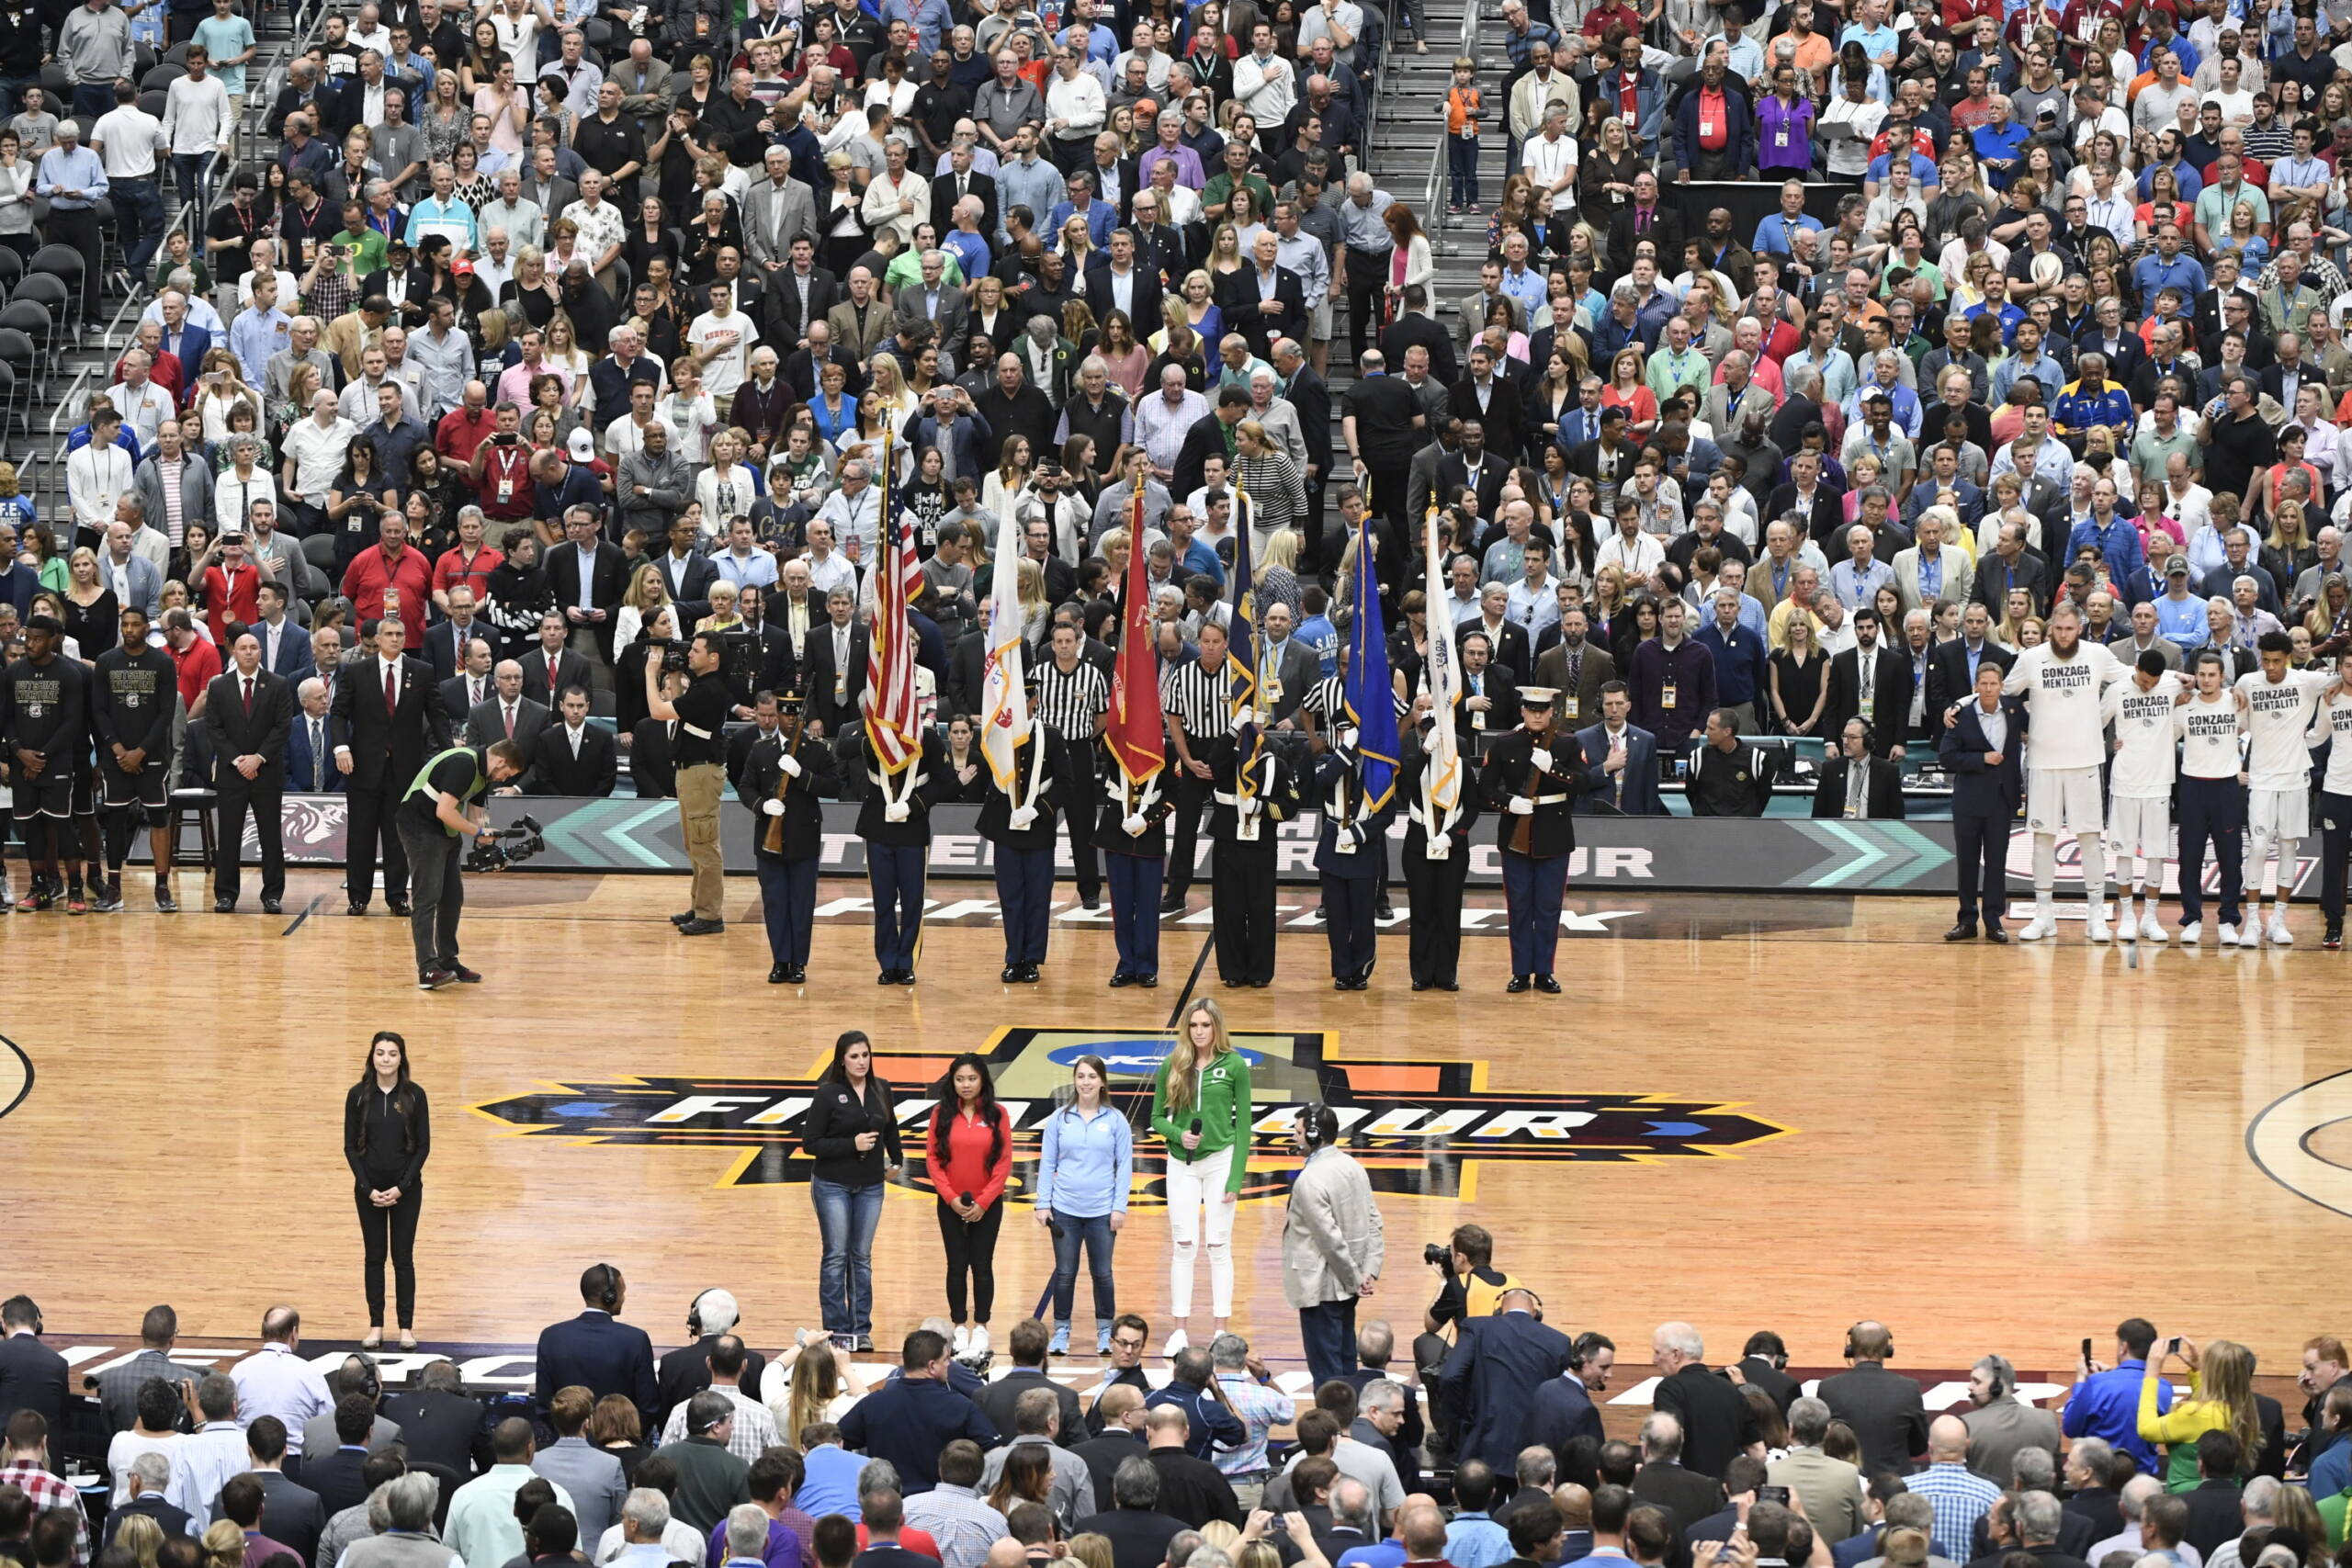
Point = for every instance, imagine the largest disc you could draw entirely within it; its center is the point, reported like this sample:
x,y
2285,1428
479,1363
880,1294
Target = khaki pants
x,y
698,788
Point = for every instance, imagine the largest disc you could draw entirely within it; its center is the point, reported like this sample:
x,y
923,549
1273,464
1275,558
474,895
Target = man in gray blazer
x,y
592,1476
1332,1245
196,480
775,211
488,722
1294,666
120,564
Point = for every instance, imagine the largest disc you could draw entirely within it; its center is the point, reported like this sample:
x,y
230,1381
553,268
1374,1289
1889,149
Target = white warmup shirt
x,y
2334,723
2062,703
2209,733
2146,747
2277,719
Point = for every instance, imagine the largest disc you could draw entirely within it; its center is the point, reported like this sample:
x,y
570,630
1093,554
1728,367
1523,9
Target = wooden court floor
x,y
1989,1149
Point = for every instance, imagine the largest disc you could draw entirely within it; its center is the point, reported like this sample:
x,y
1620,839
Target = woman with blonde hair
x,y
808,1385
889,383
1035,609
728,487
1276,488
223,1545
1008,482
647,592
2219,1398
1201,311
141,1537
1225,253
1202,1110
722,616
559,347
1091,1550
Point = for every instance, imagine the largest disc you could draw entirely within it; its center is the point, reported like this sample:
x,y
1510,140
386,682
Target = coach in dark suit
x,y
486,722
247,713
1491,1377
1563,1411
445,646
438,1423
1633,789
1980,751
585,761
1952,666
334,1474
310,764
1763,1361
1884,1408
1889,689
1881,793
392,721
32,1376
829,689
596,1351
604,570
570,669
466,690
1663,1480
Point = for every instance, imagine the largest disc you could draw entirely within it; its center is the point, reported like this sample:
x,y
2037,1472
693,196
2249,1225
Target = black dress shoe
x,y
681,920
1010,975
224,906
1964,931
796,974
1262,985
1420,984
888,977
1996,936
356,909
1548,985
272,907
1383,910
1122,980
1173,904
906,977
1148,982
779,974
399,906
1518,984
702,928
1091,902
1449,985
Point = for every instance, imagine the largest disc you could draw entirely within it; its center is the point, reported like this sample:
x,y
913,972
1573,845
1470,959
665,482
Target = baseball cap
x,y
2177,566
584,446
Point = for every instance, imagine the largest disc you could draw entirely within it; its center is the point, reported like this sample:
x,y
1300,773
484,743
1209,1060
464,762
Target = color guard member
x,y
1532,777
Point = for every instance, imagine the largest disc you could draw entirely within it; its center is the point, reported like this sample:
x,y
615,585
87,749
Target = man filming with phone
x,y
2106,1399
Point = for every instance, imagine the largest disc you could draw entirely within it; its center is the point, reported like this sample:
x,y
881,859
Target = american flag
x,y
893,722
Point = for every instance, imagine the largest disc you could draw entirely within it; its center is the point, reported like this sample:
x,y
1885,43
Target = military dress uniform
x,y
896,851
789,802
1022,852
1437,864
1133,836
1349,856
1536,840
1243,861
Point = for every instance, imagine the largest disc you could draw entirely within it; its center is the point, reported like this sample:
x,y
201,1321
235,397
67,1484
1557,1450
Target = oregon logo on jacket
x,y
1426,1127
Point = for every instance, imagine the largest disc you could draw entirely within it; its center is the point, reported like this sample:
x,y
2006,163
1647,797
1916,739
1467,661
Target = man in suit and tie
x,y
473,684
1623,759
1884,1408
1575,667
1471,466
573,758
686,572
312,742
833,662
1857,783
1265,300
586,572
803,296
248,712
1563,1410
508,715
1664,1482
547,668
596,1351
1645,218
1489,695
445,640
1287,668
284,646
393,720
932,300
1871,683
860,322
1491,1377
1124,283
1764,1361
1809,497
1487,396
2011,563
777,212
959,181
1981,750
1952,665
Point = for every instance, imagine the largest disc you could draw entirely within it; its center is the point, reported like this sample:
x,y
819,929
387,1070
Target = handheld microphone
x,y
1196,1124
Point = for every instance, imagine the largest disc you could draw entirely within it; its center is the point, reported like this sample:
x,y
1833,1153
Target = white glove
x,y
772,808
1541,758
897,811
1354,835
1134,825
1247,806
791,766
1521,805
1022,817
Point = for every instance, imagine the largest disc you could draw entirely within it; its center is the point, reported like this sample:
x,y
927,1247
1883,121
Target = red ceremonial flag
x,y
1134,725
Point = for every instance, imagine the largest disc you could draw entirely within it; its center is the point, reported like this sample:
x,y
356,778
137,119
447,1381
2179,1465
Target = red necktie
x,y
552,695
510,722
391,692
249,696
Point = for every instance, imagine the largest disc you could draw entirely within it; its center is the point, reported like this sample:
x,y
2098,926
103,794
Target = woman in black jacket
x,y
850,1129
386,1132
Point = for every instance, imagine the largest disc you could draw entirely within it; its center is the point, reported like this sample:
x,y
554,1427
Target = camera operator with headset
x,y
1473,1288
700,754
1332,1245
440,813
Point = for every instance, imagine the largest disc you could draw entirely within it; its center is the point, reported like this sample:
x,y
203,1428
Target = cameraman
x,y
1473,1288
700,755
436,816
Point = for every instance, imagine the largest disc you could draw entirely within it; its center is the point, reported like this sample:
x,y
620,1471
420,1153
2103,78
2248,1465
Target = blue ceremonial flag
x,y
1371,697
1242,633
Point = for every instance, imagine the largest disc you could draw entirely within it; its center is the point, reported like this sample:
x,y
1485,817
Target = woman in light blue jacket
x,y
1083,1195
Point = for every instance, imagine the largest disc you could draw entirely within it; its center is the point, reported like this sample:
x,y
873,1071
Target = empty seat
x,y
161,77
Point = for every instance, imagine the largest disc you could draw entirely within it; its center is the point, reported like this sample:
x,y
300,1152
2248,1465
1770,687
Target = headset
x,y
1311,1117
609,1294
1853,1350
374,1387
693,1315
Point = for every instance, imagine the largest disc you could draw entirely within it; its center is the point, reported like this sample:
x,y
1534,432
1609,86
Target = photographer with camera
x,y
1473,1288
439,814
700,755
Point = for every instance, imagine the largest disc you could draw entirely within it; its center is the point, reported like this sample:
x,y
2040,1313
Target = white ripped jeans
x,y
1190,1187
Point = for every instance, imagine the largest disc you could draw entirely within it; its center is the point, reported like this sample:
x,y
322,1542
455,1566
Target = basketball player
x,y
2334,723
2062,680
2280,705
2139,807
2211,721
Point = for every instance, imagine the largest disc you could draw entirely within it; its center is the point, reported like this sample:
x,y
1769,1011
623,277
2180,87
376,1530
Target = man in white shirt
x,y
723,336
2279,703
2139,816
143,404
197,123
2062,680
276,1381
126,140
314,449
98,475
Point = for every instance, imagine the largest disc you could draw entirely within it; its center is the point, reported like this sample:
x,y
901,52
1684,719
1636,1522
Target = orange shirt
x,y
1462,104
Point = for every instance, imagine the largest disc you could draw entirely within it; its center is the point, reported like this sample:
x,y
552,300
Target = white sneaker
x,y
2127,928
2041,926
2278,933
2153,928
2192,933
2250,934
2229,937
1177,1340
963,1341
979,1345
2095,924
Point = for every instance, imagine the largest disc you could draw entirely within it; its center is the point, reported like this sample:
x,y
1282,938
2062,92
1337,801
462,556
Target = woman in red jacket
x,y
970,1154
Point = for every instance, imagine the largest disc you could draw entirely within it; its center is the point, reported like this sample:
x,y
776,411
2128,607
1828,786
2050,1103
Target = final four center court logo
x,y
1421,1127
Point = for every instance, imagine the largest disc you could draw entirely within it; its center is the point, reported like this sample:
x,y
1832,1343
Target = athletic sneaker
x,y
962,1342
2250,934
1102,1339
2038,927
2095,924
2151,927
434,979
1059,1344
2126,928
980,1347
2192,933
1176,1341
2229,935
2278,933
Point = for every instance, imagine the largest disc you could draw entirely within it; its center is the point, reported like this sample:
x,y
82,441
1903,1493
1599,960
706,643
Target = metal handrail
x,y
1432,204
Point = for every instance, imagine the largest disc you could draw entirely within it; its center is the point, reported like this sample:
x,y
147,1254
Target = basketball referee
x,y
1071,696
1195,698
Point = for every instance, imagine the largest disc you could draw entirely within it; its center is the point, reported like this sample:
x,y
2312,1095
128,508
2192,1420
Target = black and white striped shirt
x,y
1068,705
1328,697
1201,702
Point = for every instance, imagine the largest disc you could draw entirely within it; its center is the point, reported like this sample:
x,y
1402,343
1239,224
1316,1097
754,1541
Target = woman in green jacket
x,y
1201,1108
2219,1398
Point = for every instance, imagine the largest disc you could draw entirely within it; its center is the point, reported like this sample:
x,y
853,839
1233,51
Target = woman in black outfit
x,y
852,1131
386,1132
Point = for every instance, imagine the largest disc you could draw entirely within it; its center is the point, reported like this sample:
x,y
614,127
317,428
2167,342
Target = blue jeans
x,y
1330,1330
1095,1233
139,204
847,1218
1462,165
189,169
